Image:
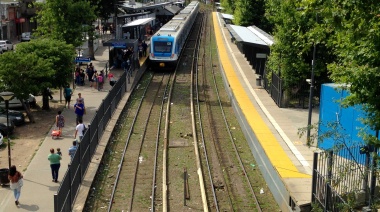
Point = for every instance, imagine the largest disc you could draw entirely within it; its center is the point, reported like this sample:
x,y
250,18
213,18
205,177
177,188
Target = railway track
x,y
175,147
223,173
135,178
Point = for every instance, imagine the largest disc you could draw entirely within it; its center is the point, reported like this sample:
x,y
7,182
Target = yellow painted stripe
x,y
276,154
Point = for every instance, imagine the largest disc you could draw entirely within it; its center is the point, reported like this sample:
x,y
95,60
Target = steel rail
x,y
209,114
153,196
141,144
194,66
234,145
110,203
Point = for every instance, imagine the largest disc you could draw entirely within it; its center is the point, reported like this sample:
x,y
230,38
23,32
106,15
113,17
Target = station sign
x,y
82,59
119,45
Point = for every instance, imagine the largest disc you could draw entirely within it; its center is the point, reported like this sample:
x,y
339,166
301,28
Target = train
x,y
168,42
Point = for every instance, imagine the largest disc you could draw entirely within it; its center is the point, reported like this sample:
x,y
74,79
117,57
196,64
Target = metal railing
x,y
340,176
69,187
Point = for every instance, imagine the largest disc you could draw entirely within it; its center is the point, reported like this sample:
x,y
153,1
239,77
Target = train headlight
x,y
162,65
151,55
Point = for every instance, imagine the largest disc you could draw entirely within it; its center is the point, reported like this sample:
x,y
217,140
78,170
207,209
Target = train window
x,y
163,47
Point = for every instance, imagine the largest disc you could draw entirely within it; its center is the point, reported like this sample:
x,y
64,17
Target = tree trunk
x,y
28,112
45,100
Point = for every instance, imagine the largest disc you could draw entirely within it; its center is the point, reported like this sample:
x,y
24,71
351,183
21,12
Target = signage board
x,y
261,55
119,45
82,59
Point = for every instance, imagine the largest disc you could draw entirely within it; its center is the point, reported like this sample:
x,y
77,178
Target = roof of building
x,y
172,9
227,16
251,34
138,22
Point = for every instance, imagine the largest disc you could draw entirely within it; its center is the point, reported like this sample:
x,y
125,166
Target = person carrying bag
x,y
16,182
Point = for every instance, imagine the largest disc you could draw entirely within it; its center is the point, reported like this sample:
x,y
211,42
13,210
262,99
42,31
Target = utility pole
x,y
1,19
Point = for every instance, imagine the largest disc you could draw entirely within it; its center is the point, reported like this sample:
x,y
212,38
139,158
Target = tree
x,y
228,5
23,74
356,43
58,55
65,20
295,33
251,12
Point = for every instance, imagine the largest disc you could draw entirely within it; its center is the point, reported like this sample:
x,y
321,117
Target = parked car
x,y
16,103
3,126
1,139
6,45
25,36
3,46
15,116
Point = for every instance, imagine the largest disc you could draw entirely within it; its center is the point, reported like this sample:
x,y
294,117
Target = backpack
x,y
84,129
100,78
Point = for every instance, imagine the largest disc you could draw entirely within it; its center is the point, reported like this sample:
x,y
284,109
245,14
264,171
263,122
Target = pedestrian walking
x,y
55,164
67,92
90,74
79,111
95,80
73,149
60,122
100,81
79,130
16,182
80,98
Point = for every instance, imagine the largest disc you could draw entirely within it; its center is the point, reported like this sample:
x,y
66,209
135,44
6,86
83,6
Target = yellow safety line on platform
x,y
276,154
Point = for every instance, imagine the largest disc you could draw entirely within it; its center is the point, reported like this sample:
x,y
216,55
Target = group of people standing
x,y
95,79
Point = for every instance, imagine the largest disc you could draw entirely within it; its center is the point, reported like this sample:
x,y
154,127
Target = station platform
x,y
284,159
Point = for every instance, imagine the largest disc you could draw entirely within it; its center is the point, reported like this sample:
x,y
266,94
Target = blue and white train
x,y
167,43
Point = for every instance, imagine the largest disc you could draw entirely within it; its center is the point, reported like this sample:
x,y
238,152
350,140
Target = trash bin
x,y
4,176
258,81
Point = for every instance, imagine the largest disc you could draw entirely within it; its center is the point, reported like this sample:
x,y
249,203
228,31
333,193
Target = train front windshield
x,y
162,47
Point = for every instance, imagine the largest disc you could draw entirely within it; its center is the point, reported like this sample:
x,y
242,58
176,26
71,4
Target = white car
x,y
6,45
25,36
16,103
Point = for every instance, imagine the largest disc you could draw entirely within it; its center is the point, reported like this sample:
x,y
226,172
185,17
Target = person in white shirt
x,y
79,130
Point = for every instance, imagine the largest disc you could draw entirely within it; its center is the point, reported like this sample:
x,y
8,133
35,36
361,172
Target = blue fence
x,y
66,194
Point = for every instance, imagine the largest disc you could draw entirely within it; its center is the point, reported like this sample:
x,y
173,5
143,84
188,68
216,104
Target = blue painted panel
x,y
332,111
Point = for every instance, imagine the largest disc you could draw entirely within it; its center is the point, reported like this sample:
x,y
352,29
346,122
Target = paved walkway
x,y
38,190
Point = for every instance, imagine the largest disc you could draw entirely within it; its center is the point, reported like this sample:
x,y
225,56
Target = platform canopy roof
x,y
138,22
172,9
252,35
227,16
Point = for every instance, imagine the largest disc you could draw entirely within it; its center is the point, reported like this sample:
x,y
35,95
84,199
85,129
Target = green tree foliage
x,y
251,12
296,30
65,20
356,42
105,8
228,5
57,70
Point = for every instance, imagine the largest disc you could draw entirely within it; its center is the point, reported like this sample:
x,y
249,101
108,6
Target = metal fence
x,y
69,187
341,178
297,96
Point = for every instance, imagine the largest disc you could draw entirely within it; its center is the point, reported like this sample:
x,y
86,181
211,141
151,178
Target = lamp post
x,y
311,93
7,96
